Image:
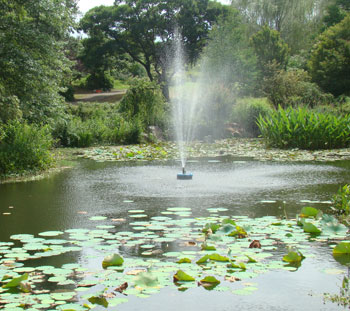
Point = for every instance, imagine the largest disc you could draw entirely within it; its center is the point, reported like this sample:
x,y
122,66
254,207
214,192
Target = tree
x,y
32,57
335,13
145,29
297,21
229,56
329,63
269,48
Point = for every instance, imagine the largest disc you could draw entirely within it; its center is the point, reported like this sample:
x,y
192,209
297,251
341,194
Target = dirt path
x,y
109,97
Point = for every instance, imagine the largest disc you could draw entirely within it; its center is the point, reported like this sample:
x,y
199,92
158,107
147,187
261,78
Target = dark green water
x,y
67,200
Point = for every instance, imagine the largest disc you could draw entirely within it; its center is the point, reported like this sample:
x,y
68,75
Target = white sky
x,y
86,5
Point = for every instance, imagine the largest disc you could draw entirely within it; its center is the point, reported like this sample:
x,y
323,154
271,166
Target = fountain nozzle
x,y
184,175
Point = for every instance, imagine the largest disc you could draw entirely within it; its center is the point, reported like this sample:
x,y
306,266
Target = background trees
x,y
329,63
32,58
145,30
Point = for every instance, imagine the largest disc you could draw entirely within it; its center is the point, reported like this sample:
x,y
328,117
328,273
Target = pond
x,y
74,219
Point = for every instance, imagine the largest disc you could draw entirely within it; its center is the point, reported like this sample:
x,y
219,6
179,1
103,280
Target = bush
x,y
246,113
144,101
24,147
341,201
294,88
305,129
90,124
99,80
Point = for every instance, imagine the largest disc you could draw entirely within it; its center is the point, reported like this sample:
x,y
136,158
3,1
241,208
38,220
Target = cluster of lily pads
x,y
173,250
238,147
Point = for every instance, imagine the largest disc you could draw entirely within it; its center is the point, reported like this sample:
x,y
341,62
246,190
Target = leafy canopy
x,y
145,30
32,57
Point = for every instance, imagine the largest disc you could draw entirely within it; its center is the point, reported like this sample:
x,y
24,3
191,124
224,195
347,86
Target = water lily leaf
x,y
229,221
112,260
293,257
251,260
51,233
308,212
182,276
102,301
239,233
210,279
342,248
204,259
217,257
206,247
146,279
227,228
209,282
16,281
210,228
184,260
239,265
310,228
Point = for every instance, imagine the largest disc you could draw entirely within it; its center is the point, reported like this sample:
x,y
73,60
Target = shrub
x,y
305,129
246,113
99,80
90,124
341,200
24,147
144,101
293,88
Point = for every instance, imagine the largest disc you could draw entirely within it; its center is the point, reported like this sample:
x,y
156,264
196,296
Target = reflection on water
x,y
255,189
63,200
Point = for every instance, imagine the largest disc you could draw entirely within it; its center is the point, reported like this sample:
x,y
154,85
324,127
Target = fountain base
x,y
184,176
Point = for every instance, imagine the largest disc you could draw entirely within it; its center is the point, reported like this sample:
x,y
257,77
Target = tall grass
x,y
305,129
24,147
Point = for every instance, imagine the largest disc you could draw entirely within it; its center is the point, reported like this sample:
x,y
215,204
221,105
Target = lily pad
x,y
112,260
182,276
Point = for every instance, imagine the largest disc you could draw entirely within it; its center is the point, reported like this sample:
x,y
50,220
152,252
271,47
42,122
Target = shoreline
x,y
253,148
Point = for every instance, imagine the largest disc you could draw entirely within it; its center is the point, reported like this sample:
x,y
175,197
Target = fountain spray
x,y
183,105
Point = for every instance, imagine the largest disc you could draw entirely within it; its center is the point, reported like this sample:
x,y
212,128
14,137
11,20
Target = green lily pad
x,y
51,233
112,260
182,276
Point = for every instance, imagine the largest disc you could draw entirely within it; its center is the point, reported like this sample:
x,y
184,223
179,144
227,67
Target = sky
x,y
85,5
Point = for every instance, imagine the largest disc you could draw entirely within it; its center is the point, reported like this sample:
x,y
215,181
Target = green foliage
x,y
24,147
9,108
99,80
297,21
182,276
229,57
32,57
146,30
246,113
88,124
144,102
293,88
269,48
329,63
112,260
293,257
341,200
305,129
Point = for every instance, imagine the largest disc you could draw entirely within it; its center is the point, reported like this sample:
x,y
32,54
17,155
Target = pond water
x,y
109,199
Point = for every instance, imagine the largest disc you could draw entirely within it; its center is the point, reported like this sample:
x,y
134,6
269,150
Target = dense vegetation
x,y
284,63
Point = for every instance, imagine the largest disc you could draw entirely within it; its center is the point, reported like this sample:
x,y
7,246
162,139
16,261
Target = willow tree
x,y
297,21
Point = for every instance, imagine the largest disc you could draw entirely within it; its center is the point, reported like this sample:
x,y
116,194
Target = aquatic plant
x,y
217,262
304,129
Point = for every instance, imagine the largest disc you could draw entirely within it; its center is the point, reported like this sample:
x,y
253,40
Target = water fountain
x,y
184,103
